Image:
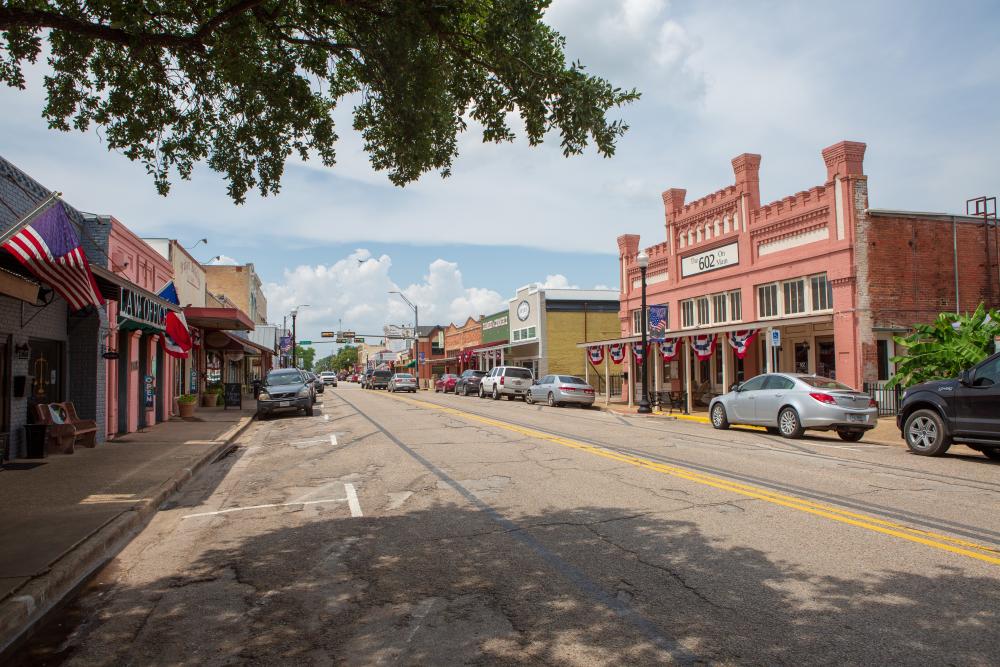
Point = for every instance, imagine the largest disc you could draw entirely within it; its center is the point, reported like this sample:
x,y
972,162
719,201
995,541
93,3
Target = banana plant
x,y
943,349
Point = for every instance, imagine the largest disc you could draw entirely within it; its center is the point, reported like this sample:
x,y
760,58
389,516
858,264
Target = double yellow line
x,y
927,538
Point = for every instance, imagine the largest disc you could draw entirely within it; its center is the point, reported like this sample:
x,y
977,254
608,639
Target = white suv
x,y
506,381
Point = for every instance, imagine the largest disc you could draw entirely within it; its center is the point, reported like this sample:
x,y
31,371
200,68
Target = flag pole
x,y
29,218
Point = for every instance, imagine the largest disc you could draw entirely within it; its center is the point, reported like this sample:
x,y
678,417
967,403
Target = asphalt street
x,y
436,529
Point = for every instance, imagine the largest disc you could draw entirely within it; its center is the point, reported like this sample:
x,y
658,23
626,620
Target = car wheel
x,y
925,434
496,394
991,453
529,399
465,390
309,411
789,424
482,394
719,419
850,435
552,400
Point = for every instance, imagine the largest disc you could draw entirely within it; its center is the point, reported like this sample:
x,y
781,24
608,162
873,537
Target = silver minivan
x,y
507,381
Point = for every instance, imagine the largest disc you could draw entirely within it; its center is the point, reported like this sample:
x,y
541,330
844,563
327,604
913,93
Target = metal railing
x,y
888,399
616,382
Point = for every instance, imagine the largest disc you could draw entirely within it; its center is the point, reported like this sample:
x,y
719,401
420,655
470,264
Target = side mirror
x,y
965,377
738,386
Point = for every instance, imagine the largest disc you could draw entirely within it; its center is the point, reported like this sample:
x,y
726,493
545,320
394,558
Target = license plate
x,y
284,404
857,418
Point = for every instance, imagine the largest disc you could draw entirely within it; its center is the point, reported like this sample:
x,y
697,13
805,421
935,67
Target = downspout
x,y
954,255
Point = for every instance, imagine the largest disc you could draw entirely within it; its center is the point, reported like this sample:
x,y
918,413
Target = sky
x,y
917,81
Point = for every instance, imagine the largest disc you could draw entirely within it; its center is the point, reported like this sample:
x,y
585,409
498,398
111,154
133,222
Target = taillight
x,y
872,403
824,398
567,388
502,378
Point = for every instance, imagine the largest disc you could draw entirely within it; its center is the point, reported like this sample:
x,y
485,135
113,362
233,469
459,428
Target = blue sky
x,y
917,81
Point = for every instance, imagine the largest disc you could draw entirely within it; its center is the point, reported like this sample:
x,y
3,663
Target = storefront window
x,y
795,297
719,308
213,367
687,313
736,305
703,310
822,292
767,300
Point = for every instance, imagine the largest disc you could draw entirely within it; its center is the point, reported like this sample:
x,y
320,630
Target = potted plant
x,y
185,405
210,397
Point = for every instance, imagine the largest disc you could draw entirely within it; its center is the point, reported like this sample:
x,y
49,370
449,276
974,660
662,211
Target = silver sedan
x,y
790,403
561,390
402,382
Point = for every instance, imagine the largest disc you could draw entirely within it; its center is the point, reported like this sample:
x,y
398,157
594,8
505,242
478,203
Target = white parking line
x,y
326,418
258,507
352,500
333,439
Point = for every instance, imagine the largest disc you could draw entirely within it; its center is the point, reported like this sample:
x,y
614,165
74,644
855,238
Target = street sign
x,y
305,342
359,340
341,340
775,337
328,334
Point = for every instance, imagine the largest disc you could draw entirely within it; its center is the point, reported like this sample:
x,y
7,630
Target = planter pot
x,y
209,400
186,410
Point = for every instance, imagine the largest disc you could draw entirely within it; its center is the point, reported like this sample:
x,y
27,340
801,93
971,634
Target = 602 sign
x,y
710,260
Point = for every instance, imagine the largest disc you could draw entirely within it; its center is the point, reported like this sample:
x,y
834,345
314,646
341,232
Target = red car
x,y
446,383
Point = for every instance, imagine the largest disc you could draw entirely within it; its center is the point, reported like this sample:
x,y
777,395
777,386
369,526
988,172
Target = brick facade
x,y
242,286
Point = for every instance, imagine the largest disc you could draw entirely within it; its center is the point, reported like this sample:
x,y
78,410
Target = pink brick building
x,y
834,278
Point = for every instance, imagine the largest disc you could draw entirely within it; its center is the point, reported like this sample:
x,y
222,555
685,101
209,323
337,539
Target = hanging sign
x,y
703,346
596,354
740,341
149,391
638,352
657,322
711,260
140,308
670,348
110,355
617,352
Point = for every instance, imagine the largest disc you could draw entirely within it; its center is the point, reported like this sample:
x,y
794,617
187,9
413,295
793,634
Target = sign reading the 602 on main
x,y
710,260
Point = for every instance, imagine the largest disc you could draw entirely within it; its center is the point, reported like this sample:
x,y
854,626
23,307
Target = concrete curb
x,y
28,606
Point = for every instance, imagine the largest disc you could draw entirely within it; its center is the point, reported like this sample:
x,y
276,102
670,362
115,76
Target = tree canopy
x,y
304,357
245,84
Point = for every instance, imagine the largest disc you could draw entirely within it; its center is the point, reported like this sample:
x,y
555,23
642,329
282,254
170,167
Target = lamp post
x,y
643,261
416,337
295,312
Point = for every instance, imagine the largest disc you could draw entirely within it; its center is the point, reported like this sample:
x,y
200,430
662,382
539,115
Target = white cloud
x,y
558,281
223,260
354,292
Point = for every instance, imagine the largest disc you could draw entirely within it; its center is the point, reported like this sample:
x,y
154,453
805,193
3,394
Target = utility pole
x,y
295,312
284,332
416,336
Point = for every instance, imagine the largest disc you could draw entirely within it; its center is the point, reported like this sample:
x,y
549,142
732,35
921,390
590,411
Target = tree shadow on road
x,y
452,585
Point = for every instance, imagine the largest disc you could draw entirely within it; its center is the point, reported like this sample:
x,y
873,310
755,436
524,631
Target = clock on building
x,y
523,310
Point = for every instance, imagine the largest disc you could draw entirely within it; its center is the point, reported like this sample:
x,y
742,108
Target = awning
x,y
18,287
110,284
232,319
251,347
726,328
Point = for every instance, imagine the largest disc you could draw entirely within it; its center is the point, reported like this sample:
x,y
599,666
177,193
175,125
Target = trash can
x,y
34,439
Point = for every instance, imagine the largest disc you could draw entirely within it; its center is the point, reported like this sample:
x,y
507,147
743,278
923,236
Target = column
x,y
688,385
631,374
607,378
727,363
586,365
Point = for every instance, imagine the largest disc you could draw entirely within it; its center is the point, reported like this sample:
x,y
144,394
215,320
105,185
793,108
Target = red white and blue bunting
x,y
617,352
703,346
740,341
670,348
638,352
596,354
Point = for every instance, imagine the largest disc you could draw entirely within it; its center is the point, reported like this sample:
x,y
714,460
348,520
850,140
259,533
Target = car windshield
x,y
824,383
283,377
522,373
571,379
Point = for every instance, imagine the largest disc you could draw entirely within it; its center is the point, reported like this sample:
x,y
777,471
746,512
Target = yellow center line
x,y
936,540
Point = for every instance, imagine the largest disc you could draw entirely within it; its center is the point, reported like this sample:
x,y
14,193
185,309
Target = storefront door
x,y
45,371
159,369
4,390
141,384
826,358
801,357
124,361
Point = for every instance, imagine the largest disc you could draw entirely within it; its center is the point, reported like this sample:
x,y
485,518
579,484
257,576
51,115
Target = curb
x,y
29,605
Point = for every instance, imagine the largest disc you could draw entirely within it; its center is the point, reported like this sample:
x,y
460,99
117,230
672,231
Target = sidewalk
x,y
885,433
67,515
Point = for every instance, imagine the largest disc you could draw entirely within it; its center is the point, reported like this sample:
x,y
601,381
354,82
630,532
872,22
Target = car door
x,y
978,403
771,398
745,400
540,391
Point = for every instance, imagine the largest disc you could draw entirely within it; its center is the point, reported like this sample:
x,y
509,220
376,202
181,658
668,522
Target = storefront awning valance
x,y
18,287
726,328
111,285
232,319
250,346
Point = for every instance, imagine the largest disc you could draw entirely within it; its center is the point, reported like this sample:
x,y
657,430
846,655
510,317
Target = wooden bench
x,y
65,428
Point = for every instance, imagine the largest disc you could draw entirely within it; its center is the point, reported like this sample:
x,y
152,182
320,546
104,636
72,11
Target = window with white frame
x,y
687,313
767,301
719,314
637,321
795,296
736,306
526,333
703,310
822,292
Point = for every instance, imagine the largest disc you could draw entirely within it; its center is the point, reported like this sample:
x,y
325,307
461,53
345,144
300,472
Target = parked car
x,y
445,383
402,382
468,382
558,390
365,378
354,377
317,384
328,377
791,403
379,380
285,389
507,381
933,415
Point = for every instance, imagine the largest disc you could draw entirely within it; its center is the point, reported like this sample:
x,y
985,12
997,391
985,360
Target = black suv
x,y
933,415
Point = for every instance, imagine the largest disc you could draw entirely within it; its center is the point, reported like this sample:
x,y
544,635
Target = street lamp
x,y
643,261
416,338
295,312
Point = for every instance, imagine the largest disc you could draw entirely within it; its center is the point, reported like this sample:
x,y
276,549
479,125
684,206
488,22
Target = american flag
x,y
657,322
50,249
